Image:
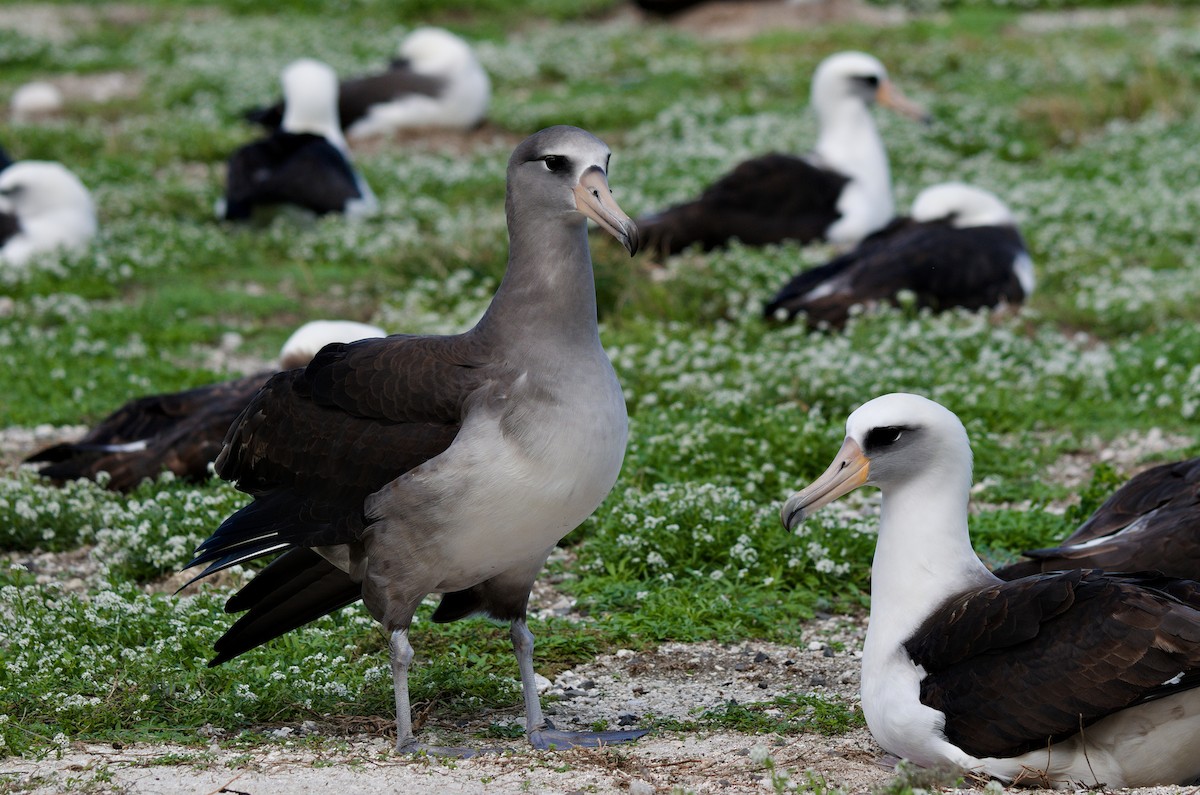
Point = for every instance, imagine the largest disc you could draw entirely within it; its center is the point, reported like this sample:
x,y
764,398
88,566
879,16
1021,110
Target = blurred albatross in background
x,y
840,193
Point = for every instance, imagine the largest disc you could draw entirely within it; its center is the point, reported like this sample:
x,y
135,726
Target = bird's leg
x,y
406,741
541,732
402,655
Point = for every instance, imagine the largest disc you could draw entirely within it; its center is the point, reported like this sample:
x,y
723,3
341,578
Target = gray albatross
x,y
841,192
1063,678
1151,523
181,432
959,246
391,469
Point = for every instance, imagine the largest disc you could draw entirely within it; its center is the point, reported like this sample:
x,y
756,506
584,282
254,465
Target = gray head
x,y
563,172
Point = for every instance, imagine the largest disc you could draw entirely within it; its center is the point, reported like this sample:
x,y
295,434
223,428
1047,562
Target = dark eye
x,y
556,163
882,437
870,81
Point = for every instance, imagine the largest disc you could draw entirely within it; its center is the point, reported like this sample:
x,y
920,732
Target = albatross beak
x,y
890,97
847,472
594,199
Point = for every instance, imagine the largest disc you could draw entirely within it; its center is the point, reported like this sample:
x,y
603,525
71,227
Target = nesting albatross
x,y
304,163
180,431
840,193
43,208
958,247
1151,523
1061,678
391,469
435,82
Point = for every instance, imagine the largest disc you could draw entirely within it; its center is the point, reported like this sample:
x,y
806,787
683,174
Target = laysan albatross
x,y
391,469
840,193
435,82
1151,523
305,163
1064,678
181,432
959,247
44,207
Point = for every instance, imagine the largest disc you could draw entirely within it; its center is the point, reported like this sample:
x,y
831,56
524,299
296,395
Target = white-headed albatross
x,y
180,431
435,82
1151,523
304,163
958,247
43,207
840,193
391,469
1064,678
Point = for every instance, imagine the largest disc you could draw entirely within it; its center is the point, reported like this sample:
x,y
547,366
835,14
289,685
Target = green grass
x,y
1090,134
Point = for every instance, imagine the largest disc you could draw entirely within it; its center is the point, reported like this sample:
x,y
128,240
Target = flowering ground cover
x,y
1089,131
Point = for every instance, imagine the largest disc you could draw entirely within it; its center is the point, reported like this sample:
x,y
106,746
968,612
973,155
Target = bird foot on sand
x,y
454,752
549,738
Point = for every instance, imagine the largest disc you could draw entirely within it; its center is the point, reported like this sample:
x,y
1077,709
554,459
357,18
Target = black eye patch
x,y
884,436
556,163
870,81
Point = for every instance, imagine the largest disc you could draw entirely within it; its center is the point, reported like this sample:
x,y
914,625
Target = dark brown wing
x,y
177,431
1152,523
9,227
942,266
314,443
358,94
300,169
768,199
1021,664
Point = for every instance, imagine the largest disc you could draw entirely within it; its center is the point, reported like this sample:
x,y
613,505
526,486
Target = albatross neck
x,y
548,293
923,555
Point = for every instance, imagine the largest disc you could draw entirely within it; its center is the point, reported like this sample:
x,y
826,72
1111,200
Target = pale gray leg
x,y
402,655
541,732
522,641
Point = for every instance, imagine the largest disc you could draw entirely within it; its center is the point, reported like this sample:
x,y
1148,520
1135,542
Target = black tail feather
x,y
298,587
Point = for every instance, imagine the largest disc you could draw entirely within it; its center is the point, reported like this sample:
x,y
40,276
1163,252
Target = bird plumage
x,y
306,162
1151,523
181,432
959,248
43,208
1063,677
841,193
436,80
390,469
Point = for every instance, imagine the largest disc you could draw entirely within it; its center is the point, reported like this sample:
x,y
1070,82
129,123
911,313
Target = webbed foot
x,y
548,738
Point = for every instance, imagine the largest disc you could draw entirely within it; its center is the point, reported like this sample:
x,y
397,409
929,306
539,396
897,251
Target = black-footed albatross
x,y
391,469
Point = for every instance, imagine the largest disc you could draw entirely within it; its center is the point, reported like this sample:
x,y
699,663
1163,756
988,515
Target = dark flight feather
x,y
1083,645
767,199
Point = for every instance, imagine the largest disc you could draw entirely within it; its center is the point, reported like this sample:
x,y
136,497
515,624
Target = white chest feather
x,y
523,472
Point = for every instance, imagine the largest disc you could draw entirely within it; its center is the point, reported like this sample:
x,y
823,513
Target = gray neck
x,y
548,293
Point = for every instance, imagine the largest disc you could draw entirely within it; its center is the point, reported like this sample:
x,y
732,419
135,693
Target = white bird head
x,y
437,52
306,341
33,188
857,79
310,100
890,441
965,206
